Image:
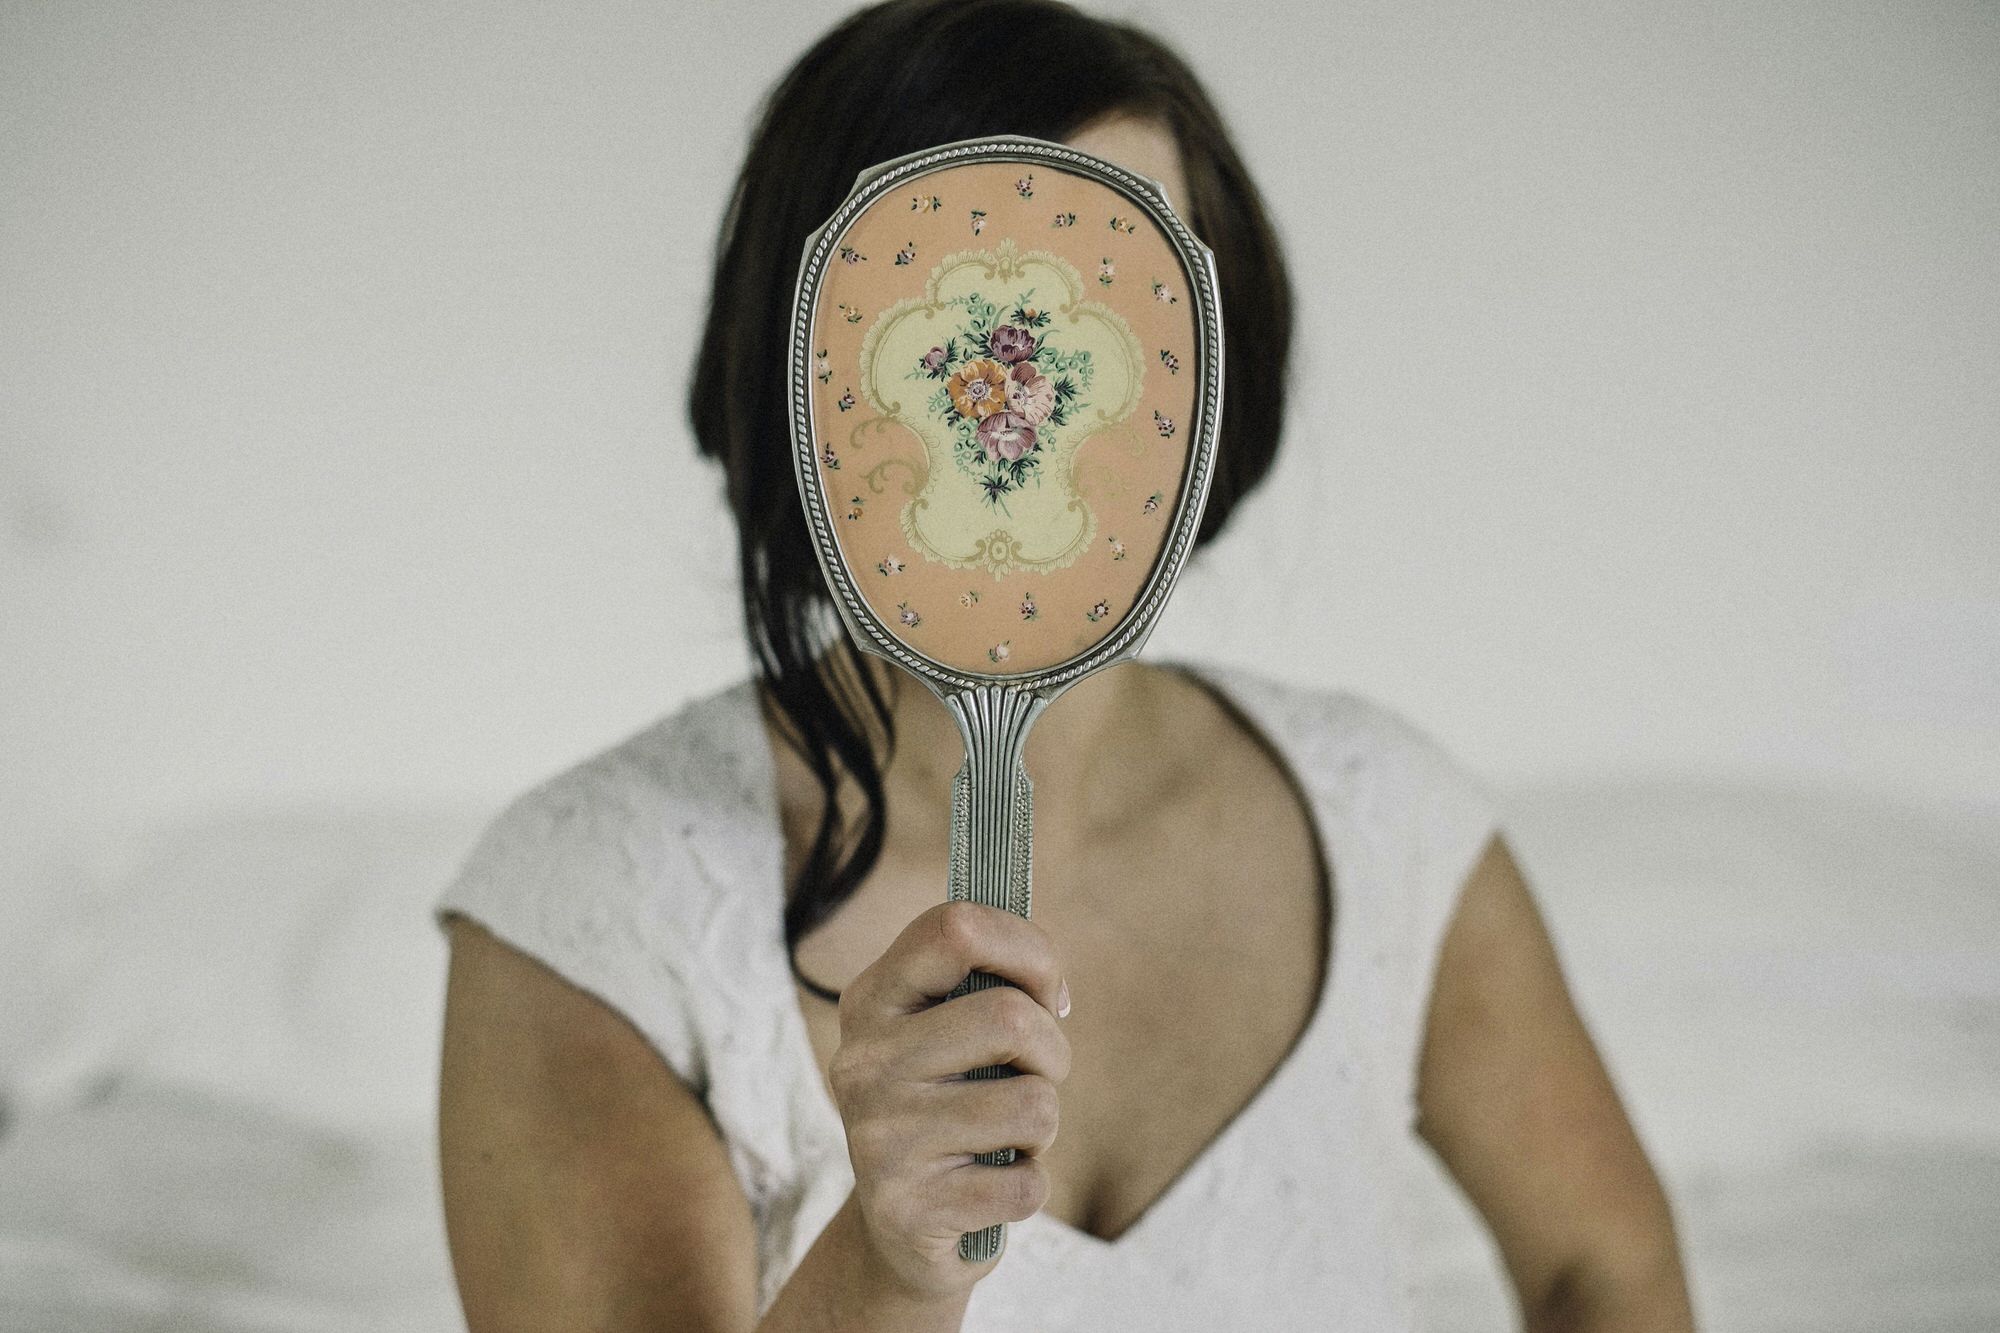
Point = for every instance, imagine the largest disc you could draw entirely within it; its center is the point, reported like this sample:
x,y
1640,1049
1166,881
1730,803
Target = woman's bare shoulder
x,y
585,1184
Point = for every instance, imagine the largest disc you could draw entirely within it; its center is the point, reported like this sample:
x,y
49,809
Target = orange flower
x,y
979,388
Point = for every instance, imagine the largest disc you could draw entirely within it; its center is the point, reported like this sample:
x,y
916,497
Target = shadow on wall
x,y
219,1045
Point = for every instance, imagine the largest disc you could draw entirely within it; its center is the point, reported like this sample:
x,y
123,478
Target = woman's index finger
x,y
932,955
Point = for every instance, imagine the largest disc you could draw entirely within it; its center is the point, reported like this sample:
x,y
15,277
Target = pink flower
x,y
934,360
1010,343
1030,394
1006,435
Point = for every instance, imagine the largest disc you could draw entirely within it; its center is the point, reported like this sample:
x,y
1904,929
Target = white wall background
x,y
1646,412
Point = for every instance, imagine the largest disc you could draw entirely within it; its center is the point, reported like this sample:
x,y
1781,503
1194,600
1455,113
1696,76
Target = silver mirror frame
x,y
992,798
869,631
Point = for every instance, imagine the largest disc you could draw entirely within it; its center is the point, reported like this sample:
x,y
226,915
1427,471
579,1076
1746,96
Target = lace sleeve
x,y
1447,816
572,874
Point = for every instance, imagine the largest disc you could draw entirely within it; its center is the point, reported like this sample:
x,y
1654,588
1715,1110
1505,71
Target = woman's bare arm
x,y
585,1185
1517,1104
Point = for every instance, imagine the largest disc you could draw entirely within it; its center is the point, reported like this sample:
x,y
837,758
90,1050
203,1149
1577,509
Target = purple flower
x,y
1006,435
1010,343
934,360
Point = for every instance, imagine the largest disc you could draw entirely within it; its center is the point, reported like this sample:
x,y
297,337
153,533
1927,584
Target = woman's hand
x,y
914,1121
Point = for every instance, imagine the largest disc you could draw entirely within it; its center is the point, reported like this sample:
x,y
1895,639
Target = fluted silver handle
x,y
992,843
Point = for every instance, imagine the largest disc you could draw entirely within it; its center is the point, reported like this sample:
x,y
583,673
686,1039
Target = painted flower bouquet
x,y
1004,391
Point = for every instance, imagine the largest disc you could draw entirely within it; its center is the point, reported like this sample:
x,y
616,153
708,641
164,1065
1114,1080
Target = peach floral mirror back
x,y
1000,352
1005,389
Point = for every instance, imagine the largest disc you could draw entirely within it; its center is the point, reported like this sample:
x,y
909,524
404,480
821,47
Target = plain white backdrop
x,y
1644,447
1646,413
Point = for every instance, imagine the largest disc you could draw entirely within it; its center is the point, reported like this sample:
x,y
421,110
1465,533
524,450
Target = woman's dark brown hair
x,y
891,79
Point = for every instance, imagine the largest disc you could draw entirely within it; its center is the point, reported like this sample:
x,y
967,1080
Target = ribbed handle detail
x,y
992,843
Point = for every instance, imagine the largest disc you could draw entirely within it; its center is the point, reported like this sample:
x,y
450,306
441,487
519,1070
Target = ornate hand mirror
x,y
1006,384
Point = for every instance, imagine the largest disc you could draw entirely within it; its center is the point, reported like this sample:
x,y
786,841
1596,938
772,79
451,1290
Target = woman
x,y
1292,928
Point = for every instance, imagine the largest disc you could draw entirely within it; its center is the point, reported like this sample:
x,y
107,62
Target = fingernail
x,y
1062,1001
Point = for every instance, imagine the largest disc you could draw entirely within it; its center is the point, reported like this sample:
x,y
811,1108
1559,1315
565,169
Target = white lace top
x,y
650,875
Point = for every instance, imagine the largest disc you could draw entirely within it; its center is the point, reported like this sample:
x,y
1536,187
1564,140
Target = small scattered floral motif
x,y
1117,548
1097,612
828,457
908,615
822,369
1170,361
851,255
1029,611
850,313
1165,423
1162,295
970,597
925,204
1104,272
889,564
978,221
907,254
1122,224
1152,502
999,652
846,400
1064,220
1025,187
854,507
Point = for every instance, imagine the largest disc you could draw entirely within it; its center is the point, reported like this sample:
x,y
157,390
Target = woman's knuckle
x,y
1019,1014
960,923
848,1073
1044,1107
1026,1187
856,1008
